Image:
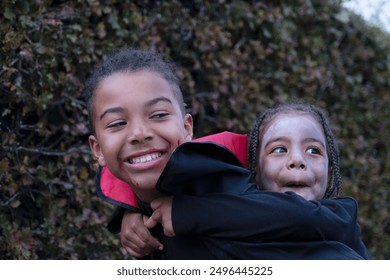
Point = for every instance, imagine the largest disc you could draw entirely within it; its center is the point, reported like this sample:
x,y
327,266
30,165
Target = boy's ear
x,y
188,126
95,148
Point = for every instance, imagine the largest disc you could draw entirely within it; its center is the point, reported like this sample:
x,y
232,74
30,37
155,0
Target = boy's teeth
x,y
145,158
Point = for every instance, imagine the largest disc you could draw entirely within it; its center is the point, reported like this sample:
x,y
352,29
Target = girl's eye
x,y
279,150
313,151
117,124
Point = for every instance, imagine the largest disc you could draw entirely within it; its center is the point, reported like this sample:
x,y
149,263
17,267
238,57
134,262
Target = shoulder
x,y
224,137
237,143
347,203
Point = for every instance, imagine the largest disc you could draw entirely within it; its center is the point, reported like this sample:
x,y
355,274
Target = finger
x,y
168,227
147,242
153,220
136,246
151,241
145,236
150,223
134,253
156,203
138,251
169,232
139,240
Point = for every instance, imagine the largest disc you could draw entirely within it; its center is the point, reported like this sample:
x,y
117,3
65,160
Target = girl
x,y
292,151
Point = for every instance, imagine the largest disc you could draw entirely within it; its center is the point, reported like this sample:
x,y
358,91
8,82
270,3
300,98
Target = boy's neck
x,y
147,197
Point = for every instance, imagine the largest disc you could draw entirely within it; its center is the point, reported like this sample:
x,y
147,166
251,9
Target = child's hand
x,y
135,236
162,213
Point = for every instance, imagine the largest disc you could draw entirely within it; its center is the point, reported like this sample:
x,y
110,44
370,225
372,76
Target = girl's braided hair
x,y
334,187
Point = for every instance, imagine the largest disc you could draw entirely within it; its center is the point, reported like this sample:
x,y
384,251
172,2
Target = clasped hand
x,y
135,235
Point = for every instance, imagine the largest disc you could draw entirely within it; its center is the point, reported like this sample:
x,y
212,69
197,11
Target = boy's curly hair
x,y
334,187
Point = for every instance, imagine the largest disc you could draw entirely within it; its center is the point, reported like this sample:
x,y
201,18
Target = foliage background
x,y
234,59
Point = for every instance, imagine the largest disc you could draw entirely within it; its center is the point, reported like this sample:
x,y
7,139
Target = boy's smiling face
x,y
138,123
293,156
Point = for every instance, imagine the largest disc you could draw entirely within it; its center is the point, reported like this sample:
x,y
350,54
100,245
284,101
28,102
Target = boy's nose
x,y
139,133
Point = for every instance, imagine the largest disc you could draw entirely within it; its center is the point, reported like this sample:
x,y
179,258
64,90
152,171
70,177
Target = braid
x,y
334,187
253,144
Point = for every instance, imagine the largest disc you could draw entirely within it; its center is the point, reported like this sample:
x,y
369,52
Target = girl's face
x,y
138,124
293,156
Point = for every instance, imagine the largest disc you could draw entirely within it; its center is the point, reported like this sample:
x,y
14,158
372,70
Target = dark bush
x,y
234,59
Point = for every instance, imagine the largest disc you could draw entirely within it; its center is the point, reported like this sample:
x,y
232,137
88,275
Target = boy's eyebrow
x,y
148,104
156,100
112,110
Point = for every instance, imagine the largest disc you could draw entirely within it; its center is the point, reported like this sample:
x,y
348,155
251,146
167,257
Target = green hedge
x,y
234,59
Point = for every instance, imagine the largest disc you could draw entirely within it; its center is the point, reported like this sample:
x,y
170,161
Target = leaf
x,y
4,165
15,203
342,16
8,14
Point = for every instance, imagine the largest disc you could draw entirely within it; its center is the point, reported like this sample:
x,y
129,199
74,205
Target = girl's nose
x,y
296,161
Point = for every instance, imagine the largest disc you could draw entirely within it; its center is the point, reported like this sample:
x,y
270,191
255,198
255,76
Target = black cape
x,y
218,213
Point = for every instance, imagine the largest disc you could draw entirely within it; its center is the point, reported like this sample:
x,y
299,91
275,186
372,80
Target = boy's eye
x,y
159,115
117,124
279,150
314,151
